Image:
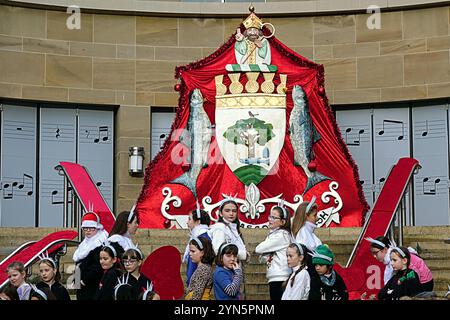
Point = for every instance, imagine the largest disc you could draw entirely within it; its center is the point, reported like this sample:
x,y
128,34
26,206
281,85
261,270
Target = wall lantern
x,y
136,160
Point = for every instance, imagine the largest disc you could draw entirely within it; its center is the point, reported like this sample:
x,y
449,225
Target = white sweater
x,y
300,289
307,237
273,250
221,232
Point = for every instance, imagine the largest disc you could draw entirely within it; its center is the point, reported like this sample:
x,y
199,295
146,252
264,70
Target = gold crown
x,y
252,21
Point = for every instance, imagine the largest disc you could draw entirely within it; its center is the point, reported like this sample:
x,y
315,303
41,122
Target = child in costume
x,y
332,285
202,254
227,277
304,224
112,270
273,250
17,278
405,281
124,290
381,247
198,224
123,230
227,229
51,278
298,284
132,259
87,256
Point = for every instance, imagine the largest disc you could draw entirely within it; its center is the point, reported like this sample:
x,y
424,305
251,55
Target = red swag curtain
x,y
332,156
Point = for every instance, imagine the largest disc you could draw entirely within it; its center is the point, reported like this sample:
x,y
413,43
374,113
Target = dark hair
x,y
118,265
226,249
204,217
287,221
10,291
208,252
121,224
237,216
305,250
150,295
47,291
125,292
382,239
132,254
406,252
57,277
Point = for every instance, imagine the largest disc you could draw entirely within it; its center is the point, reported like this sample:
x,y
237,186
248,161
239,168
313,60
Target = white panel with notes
x,y
161,125
430,147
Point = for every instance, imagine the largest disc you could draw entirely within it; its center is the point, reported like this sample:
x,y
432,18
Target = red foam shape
x,y
28,253
162,266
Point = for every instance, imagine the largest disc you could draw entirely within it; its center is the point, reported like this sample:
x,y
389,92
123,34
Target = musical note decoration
x,y
395,122
355,142
431,191
161,140
57,132
103,130
425,133
8,188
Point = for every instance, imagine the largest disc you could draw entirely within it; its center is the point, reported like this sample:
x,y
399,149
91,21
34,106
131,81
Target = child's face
x,y
322,269
398,263
293,259
131,264
47,273
195,254
229,260
89,232
133,226
16,278
229,212
275,220
312,216
378,254
106,260
191,223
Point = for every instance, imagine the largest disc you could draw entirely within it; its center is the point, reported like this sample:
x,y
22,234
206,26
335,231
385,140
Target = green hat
x,y
323,255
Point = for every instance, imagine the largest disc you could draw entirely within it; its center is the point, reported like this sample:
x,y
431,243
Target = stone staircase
x,y
428,240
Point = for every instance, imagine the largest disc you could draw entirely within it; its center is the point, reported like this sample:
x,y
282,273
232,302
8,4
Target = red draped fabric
x,y
332,156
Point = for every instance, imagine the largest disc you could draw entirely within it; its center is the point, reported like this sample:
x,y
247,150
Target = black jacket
x,y
403,283
338,291
91,274
105,289
58,290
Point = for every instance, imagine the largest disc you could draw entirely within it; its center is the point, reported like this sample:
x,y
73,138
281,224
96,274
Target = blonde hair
x,y
300,217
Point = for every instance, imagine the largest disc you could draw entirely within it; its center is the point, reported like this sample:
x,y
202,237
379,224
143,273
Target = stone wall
x,y
129,61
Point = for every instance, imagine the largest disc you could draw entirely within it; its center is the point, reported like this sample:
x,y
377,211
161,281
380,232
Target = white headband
x,y
148,290
196,239
400,251
311,204
44,256
283,209
135,248
198,212
121,281
299,246
131,214
39,292
107,245
228,198
371,240
223,246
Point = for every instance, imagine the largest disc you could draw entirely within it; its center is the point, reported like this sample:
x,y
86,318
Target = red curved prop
x,y
28,253
162,266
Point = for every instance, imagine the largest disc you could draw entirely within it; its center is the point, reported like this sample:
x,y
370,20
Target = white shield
x,y
250,131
